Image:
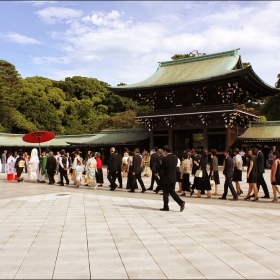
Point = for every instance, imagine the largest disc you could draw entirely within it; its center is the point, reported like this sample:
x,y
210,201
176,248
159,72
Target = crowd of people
x,y
43,167
133,165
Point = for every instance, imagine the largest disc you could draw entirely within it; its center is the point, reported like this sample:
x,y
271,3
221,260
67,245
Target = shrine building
x,y
198,101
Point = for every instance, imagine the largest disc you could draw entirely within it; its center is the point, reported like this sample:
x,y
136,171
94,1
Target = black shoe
x,y
150,189
59,183
50,183
265,196
161,193
182,207
183,194
251,196
192,192
155,191
222,198
120,187
86,185
131,191
164,209
143,191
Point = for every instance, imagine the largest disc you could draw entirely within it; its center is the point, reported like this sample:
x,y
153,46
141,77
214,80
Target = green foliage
x,y
121,121
271,108
78,105
246,64
10,87
262,119
189,55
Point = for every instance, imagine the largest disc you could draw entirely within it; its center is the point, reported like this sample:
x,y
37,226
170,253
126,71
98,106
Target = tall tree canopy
x,y
76,105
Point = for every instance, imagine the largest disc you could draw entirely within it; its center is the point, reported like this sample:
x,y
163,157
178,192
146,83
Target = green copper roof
x,y
15,140
262,132
116,137
190,70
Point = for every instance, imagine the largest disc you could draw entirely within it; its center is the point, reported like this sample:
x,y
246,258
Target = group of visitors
x,y
42,168
133,165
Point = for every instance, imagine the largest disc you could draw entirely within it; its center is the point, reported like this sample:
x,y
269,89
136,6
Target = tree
x,y
271,108
121,121
10,92
194,53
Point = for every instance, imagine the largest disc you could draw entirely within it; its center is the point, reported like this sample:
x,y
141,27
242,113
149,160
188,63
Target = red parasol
x,y
38,137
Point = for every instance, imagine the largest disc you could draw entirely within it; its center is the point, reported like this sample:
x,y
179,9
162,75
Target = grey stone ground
x,y
65,232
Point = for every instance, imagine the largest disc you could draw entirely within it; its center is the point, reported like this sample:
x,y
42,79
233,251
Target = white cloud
x,y
53,15
20,39
132,48
48,60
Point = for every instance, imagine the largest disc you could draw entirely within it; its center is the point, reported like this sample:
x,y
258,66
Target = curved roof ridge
x,y
197,58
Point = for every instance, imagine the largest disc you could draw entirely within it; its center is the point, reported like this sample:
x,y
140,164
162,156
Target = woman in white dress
x,y
33,165
91,169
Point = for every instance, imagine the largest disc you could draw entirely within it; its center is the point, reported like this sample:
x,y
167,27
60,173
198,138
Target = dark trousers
x,y
170,189
19,172
112,179
119,176
154,178
63,174
261,182
228,185
140,181
51,176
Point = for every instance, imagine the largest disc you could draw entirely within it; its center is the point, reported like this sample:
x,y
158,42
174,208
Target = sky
x,y
123,41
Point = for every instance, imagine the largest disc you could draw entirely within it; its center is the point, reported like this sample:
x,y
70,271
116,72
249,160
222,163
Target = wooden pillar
x,y
205,137
170,138
152,142
227,136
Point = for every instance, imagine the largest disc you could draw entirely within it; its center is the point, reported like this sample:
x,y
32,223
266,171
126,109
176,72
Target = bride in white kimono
x,y
91,171
33,165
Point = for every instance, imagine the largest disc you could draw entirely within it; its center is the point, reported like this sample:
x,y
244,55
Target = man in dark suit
x,y
63,167
228,172
169,179
154,163
260,165
51,167
112,169
159,171
119,173
136,171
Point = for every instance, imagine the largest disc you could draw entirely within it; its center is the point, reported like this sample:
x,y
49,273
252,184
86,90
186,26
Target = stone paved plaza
x,y
82,233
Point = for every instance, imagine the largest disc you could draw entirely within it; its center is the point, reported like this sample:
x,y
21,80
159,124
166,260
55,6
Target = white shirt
x,y
237,160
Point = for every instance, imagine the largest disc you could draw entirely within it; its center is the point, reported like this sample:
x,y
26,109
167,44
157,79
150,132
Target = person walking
x,y
214,171
159,171
273,178
154,162
63,167
19,166
237,171
136,171
112,169
51,167
4,161
169,179
261,171
186,168
99,173
228,172
252,176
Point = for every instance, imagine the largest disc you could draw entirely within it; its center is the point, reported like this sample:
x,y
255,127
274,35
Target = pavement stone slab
x,y
54,232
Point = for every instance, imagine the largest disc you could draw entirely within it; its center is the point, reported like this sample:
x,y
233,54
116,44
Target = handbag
x,y
198,173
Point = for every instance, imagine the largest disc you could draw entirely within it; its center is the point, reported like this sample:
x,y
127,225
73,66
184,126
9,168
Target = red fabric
x,y
99,163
